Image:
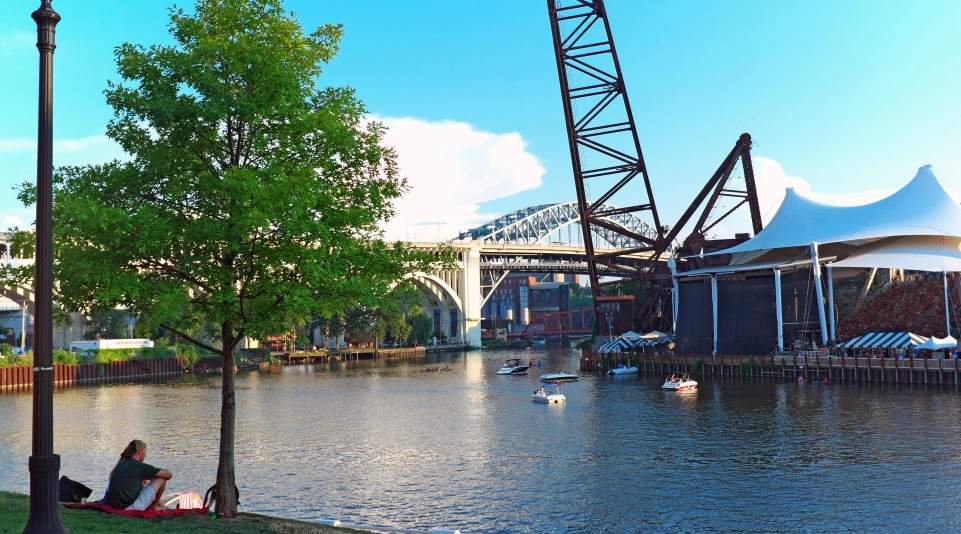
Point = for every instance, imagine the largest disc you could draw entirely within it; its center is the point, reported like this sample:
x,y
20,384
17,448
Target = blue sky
x,y
848,97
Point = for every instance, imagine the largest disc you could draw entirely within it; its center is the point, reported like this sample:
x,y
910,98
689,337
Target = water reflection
x,y
389,444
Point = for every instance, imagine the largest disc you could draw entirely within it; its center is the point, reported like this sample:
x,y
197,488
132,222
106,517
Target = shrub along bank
x,y
188,355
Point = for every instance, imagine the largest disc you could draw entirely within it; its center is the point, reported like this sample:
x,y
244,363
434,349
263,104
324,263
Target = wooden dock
x,y
788,367
357,354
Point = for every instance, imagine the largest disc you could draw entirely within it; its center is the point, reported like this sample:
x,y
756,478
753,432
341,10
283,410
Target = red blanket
x,y
145,514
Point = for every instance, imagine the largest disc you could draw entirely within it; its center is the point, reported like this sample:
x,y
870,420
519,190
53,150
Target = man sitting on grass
x,y
133,484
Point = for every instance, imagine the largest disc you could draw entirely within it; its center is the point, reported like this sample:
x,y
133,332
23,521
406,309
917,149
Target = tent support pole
x,y
675,293
777,310
866,288
831,328
947,304
714,310
816,271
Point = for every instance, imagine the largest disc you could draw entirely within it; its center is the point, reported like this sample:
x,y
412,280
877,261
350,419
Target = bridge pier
x,y
469,289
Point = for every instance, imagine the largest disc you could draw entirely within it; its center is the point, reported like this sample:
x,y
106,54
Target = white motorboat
x,y
677,382
621,369
538,342
513,367
558,376
548,394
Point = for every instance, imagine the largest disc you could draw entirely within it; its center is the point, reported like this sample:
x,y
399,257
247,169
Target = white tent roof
x,y
922,207
915,253
937,343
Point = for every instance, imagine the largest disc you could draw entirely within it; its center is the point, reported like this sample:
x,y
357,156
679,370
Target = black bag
x,y
210,498
73,491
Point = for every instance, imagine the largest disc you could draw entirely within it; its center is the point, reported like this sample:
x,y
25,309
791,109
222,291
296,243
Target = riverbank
x,y
20,377
14,509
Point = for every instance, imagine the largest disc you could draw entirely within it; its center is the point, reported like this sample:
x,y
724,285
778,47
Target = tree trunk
x,y
226,481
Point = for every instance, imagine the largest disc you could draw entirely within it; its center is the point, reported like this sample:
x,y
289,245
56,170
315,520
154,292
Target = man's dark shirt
x,y
126,481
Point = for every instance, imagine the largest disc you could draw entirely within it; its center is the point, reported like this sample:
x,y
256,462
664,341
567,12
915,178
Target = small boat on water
x,y
558,376
513,366
548,394
621,369
538,342
677,382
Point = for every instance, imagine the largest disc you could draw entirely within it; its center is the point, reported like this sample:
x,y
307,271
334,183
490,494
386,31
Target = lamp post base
x,y
44,515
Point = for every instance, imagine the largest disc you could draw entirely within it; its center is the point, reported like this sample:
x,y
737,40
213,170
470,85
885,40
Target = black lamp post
x,y
44,464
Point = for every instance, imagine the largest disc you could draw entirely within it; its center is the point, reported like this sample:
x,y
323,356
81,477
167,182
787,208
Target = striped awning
x,y
885,340
629,343
652,341
616,345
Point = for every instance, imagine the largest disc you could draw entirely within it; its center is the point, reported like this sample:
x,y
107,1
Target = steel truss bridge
x,y
547,238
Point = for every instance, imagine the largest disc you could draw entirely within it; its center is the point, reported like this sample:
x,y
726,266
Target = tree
x,y
422,328
359,324
390,318
252,197
106,323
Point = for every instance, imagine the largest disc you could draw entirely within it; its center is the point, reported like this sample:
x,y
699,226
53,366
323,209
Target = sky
x,y
844,100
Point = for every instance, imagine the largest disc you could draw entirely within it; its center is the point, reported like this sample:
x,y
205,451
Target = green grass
x,y
14,508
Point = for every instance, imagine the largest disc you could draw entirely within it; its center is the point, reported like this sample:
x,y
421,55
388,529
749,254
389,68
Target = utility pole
x,y
44,464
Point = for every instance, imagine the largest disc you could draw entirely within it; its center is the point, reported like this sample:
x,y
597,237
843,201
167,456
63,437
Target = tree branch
x,y
170,269
237,338
190,339
231,147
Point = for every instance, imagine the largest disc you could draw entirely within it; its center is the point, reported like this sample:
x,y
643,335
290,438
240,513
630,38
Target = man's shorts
x,y
147,496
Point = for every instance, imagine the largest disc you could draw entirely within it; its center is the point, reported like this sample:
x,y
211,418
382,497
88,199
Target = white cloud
x,y
451,168
772,181
83,143
14,43
93,143
9,146
18,160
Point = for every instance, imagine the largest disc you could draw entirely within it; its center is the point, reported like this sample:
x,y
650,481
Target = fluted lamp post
x,y
44,464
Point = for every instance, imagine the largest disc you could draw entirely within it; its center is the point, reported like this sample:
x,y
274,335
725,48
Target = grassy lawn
x,y
14,508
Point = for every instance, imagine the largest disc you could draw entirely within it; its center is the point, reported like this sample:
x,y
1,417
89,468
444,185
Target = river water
x,y
389,445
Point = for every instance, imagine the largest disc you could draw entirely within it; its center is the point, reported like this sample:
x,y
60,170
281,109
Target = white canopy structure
x,y
916,228
914,253
922,207
936,343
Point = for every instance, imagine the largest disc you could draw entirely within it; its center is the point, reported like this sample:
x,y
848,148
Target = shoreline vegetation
x,y
14,508
188,355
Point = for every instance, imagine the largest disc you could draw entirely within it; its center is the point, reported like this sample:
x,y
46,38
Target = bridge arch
x,y
445,300
535,223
